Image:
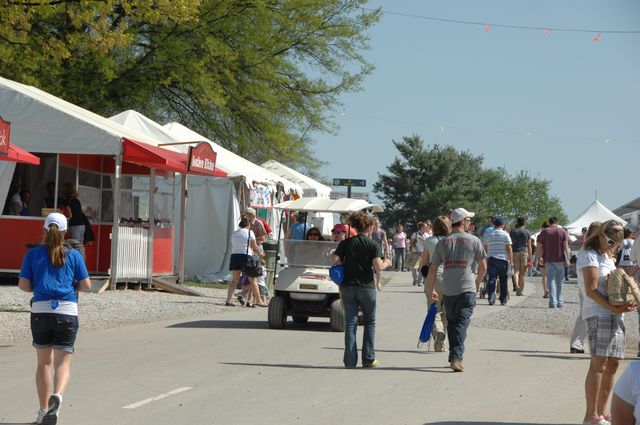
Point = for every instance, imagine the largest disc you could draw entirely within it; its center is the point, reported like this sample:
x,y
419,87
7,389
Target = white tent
x,y
310,187
595,212
234,164
212,214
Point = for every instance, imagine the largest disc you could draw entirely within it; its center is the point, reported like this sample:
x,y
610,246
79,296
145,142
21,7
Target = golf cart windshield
x,y
307,253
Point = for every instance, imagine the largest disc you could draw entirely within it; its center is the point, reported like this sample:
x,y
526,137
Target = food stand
x,y
125,184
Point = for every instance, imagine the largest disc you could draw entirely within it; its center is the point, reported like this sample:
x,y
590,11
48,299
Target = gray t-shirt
x,y
520,238
458,252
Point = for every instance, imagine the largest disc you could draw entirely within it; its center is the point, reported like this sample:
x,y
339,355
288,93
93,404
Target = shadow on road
x,y
378,350
250,324
544,354
487,423
308,366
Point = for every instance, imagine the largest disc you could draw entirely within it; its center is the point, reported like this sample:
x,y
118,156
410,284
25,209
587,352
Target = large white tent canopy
x,y
41,122
309,186
233,164
595,212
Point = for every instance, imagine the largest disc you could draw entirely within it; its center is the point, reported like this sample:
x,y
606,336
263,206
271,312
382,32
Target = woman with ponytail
x,y
54,273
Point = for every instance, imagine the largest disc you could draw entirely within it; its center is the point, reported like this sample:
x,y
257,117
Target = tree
x,y
521,195
425,182
256,76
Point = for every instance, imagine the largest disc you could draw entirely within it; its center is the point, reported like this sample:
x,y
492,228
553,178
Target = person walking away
x,y
417,246
257,227
441,228
487,228
500,253
553,248
77,221
399,247
380,236
521,239
576,344
360,255
458,252
54,273
605,322
243,246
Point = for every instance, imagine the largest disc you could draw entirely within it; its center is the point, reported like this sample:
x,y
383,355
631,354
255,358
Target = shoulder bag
x,y
252,266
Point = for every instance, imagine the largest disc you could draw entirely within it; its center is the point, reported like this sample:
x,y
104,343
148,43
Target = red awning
x,y
17,154
157,157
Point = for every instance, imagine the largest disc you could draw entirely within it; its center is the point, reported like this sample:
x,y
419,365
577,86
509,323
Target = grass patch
x,y
198,284
13,309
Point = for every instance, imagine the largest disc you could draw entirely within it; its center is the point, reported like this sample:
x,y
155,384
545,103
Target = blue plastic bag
x,y
336,273
427,326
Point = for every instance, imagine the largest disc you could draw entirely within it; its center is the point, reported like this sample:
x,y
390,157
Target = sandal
x,y
546,295
261,305
229,304
241,299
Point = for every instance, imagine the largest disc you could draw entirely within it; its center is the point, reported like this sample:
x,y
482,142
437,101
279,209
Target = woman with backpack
x,y
54,273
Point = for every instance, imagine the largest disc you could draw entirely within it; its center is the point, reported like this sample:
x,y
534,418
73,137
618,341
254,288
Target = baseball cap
x,y
250,211
460,214
498,221
339,228
56,218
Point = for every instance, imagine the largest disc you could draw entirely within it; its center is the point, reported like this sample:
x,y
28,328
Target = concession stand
x,y
123,179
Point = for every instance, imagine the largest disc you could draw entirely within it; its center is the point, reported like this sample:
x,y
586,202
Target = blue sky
x,y
558,105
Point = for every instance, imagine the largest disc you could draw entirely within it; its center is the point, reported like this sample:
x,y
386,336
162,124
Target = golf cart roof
x,y
328,205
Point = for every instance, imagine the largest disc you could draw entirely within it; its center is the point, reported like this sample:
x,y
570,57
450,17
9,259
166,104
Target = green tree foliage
x,y
424,182
257,76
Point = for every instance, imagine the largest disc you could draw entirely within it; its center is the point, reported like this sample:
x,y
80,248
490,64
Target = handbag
x,y
619,287
252,266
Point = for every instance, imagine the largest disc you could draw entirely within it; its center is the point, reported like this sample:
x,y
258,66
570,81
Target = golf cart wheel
x,y
336,318
300,319
277,315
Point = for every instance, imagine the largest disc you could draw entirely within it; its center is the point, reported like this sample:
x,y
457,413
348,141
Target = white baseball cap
x,y
56,218
460,214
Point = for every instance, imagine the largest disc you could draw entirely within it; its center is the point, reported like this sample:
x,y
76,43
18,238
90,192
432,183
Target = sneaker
x,y
574,350
51,416
41,414
457,366
439,344
598,421
374,363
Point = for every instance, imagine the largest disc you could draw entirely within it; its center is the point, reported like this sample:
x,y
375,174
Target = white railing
x,y
132,252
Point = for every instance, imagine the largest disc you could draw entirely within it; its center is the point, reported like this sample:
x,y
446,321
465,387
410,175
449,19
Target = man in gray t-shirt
x,y
458,252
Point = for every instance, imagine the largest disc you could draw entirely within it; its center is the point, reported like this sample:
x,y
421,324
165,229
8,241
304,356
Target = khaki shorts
x,y
520,262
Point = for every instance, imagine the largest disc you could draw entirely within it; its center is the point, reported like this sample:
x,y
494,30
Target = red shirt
x,y
553,240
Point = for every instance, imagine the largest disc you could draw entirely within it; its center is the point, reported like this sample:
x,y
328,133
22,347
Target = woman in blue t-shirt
x,y
54,273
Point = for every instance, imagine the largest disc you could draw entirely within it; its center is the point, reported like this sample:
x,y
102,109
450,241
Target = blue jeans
x,y
458,309
555,283
399,259
365,298
497,268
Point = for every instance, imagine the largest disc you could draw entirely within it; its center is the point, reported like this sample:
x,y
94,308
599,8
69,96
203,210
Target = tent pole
x,y
113,272
183,218
152,219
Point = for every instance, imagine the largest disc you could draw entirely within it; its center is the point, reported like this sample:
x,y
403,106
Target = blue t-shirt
x,y
299,230
50,282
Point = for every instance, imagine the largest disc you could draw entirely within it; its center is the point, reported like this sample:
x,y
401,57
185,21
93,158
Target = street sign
x,y
354,195
350,182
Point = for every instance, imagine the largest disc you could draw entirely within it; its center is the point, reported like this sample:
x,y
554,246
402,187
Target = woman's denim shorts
x,y
57,331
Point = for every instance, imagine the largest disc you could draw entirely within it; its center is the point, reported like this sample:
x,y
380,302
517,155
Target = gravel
x,y
122,308
110,309
534,315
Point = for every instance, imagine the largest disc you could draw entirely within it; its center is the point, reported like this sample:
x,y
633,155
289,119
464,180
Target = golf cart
x,y
303,288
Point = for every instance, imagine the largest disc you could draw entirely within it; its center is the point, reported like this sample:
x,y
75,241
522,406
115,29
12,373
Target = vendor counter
x,y
18,232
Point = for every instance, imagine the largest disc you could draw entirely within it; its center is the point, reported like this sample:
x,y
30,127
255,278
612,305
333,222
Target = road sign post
x,y
349,183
